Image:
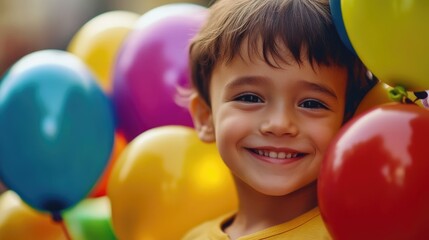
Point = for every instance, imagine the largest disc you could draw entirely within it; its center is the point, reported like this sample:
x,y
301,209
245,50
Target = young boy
x,y
272,86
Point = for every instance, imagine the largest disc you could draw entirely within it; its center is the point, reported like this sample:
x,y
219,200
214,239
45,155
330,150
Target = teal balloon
x,y
56,130
337,17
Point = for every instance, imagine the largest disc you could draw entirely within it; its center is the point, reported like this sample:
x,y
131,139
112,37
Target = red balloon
x,y
373,182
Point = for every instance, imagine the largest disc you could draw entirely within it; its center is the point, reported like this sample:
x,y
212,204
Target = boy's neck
x,y
258,211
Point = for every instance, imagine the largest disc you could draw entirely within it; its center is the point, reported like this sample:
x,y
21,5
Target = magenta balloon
x,y
152,64
167,10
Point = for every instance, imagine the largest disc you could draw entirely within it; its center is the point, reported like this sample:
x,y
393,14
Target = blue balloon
x,y
56,130
337,16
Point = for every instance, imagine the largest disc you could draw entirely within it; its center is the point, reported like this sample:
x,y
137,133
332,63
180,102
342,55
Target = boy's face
x,y
272,126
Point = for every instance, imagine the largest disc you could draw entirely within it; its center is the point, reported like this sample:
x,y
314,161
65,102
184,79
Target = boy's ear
x,y
202,117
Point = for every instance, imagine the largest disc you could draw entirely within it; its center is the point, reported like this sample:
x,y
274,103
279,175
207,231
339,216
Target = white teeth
x,y
279,155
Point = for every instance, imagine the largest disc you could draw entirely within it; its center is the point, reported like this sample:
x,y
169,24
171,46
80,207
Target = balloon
x,y
57,130
18,221
101,186
90,219
151,66
98,41
337,17
378,95
391,38
168,10
167,181
372,182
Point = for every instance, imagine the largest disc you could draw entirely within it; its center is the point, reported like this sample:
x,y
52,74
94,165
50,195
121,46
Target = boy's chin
x,y
281,189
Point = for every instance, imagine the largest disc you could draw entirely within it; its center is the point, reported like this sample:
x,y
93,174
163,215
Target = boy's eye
x,y
314,104
250,98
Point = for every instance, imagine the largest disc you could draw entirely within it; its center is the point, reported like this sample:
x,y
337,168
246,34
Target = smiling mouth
x,y
277,155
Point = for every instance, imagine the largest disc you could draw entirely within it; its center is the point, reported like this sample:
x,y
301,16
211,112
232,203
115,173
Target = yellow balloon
x,y
378,95
391,38
98,41
165,182
19,221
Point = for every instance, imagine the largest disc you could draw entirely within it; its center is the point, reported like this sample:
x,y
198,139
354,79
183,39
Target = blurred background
x,y
31,25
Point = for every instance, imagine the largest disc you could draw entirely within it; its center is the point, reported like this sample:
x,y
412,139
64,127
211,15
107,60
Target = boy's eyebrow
x,y
246,80
320,88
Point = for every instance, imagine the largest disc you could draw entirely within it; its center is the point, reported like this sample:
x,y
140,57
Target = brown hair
x,y
303,26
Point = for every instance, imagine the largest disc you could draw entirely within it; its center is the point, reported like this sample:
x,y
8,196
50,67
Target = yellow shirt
x,y
308,226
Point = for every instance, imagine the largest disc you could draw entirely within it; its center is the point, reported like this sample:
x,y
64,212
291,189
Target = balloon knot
x,y
56,216
399,94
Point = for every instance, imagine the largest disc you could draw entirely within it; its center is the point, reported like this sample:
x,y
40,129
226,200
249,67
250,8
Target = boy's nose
x,y
279,123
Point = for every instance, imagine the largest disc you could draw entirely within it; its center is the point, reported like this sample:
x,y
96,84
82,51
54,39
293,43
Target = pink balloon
x,y
152,64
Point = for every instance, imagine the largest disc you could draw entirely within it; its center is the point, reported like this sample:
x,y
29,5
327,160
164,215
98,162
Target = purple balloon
x,y
152,64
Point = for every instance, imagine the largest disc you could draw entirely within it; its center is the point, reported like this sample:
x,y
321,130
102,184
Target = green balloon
x,y
90,219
